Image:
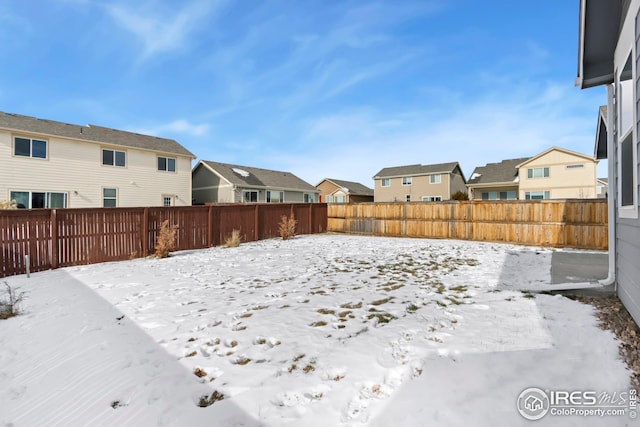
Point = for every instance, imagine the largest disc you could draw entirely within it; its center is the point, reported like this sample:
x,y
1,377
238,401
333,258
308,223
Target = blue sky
x,y
335,89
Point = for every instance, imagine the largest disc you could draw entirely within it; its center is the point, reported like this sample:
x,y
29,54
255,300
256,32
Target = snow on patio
x,y
319,330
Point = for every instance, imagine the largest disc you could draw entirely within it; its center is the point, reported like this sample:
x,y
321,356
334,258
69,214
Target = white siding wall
x,y
76,168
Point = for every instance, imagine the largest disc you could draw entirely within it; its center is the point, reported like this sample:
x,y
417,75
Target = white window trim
x,y
407,197
382,180
110,198
431,198
438,181
175,160
30,156
409,180
244,192
626,45
47,197
103,149
172,197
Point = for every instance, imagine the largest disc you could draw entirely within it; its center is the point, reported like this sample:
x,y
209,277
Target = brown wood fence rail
x,y
53,238
556,223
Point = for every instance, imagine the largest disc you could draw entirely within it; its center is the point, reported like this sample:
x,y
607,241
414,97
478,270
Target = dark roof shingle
x,y
246,176
416,170
505,171
93,133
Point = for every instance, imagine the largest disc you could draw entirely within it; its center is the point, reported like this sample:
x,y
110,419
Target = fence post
x,y
54,238
256,234
144,232
310,216
210,226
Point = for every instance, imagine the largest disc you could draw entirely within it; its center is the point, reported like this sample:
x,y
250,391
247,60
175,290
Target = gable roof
x,y
416,170
564,150
353,188
92,133
600,149
246,176
502,172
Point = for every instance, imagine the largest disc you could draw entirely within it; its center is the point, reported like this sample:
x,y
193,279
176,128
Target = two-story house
x,y
215,182
49,164
556,173
415,183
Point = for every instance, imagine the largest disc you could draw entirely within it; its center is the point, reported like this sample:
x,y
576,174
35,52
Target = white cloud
x,y
159,31
179,126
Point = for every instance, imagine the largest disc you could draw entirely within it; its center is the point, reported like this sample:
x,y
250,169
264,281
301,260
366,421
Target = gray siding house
x,y
609,55
214,182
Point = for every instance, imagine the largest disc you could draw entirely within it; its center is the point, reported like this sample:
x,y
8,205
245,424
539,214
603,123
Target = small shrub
x,y
287,227
10,305
11,204
233,241
166,239
459,195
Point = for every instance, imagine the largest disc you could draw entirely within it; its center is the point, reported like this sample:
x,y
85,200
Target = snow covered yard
x,y
320,330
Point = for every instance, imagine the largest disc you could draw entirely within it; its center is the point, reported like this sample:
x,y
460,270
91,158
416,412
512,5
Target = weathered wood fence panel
x,y
556,223
52,238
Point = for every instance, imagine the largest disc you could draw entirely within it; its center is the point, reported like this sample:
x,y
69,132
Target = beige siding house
x,y
339,191
416,183
558,173
49,164
215,182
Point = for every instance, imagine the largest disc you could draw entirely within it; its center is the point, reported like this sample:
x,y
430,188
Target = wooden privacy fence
x,y
556,223
53,238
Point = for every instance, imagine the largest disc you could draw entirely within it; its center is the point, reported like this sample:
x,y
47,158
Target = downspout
x,y
612,192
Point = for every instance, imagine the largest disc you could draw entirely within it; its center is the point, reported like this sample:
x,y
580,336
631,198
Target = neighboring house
x,y
608,55
415,183
495,181
338,191
602,187
215,182
556,173
49,164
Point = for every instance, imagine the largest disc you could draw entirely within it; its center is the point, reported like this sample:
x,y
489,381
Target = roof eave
x,y
599,24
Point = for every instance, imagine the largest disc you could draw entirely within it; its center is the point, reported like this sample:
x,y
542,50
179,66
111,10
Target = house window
x,y
39,199
407,197
329,199
341,199
538,173
309,198
626,172
508,195
489,195
167,201
435,179
575,166
385,182
166,164
537,195
406,180
250,196
627,145
30,147
109,197
275,196
113,158
431,198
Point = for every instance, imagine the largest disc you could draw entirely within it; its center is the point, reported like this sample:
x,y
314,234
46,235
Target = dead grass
x,y
11,204
210,400
233,240
10,304
166,239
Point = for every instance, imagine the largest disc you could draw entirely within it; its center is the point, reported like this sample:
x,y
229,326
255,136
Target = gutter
x,y
611,156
